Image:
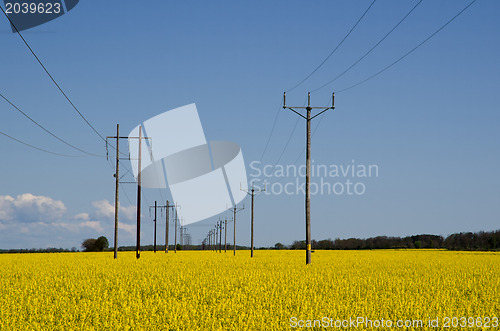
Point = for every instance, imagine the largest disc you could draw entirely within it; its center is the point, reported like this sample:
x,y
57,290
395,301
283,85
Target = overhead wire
x,y
272,131
308,76
50,76
409,52
370,50
335,49
392,64
45,129
35,147
288,141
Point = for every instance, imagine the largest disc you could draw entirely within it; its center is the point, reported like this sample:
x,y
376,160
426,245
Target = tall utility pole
x,y
117,184
175,227
253,192
308,119
154,242
235,210
225,235
212,233
166,226
220,236
139,171
117,179
167,207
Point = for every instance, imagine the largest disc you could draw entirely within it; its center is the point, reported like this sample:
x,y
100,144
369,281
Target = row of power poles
x,y
212,236
165,207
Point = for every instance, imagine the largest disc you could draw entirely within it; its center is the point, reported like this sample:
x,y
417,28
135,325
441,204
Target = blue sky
x,y
430,123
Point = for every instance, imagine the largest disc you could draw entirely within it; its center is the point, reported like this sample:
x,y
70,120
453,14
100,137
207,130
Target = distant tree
x,y
95,245
179,247
325,244
89,245
279,246
101,244
298,244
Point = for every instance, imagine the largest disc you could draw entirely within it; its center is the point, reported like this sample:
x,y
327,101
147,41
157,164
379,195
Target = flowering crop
x,y
205,290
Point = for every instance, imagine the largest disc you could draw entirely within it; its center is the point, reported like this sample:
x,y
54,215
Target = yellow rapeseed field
x,y
355,290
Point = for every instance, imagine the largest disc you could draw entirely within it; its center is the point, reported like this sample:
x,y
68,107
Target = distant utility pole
x,y
139,171
253,192
154,242
235,210
117,183
167,207
220,236
214,233
225,235
166,226
117,179
214,240
175,226
308,119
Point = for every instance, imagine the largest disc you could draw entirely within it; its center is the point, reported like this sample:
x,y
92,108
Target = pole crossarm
x,y
308,107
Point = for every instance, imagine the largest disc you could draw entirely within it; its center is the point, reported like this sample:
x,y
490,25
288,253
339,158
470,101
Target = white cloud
x,y
127,227
6,208
95,225
82,217
30,208
77,227
129,212
105,209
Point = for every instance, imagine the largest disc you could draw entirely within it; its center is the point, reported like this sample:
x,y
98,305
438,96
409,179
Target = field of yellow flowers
x,y
275,290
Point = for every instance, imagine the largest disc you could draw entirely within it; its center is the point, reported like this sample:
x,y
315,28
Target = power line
x,y
289,137
126,196
288,141
34,147
427,39
46,130
341,42
272,131
52,78
370,50
411,51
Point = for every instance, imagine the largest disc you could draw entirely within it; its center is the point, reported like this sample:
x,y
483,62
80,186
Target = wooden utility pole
x,y
117,184
154,242
117,180
220,236
214,244
175,226
167,207
166,227
225,235
139,171
253,192
235,210
308,118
